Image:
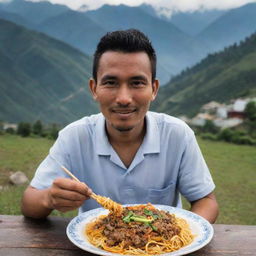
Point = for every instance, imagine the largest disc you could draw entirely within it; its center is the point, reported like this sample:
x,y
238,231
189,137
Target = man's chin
x,y
123,128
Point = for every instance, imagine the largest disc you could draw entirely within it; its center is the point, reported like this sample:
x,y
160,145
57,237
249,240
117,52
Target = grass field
x,y
233,168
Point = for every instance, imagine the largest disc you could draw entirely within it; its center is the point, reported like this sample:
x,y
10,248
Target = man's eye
x,y
138,83
109,83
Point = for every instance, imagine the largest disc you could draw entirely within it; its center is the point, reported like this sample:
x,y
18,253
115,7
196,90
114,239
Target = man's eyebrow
x,y
139,78
108,77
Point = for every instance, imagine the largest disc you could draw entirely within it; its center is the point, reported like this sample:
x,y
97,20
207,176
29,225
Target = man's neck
x,y
126,144
119,138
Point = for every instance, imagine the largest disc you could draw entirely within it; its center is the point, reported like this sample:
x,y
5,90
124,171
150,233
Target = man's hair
x,y
126,41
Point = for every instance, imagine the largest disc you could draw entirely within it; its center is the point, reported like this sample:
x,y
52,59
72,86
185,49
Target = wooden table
x,y
21,236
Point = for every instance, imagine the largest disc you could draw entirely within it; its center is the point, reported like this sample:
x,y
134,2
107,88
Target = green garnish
x,y
127,218
133,217
141,219
150,213
153,227
155,216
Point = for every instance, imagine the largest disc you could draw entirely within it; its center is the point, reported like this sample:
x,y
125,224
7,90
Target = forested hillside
x,y
41,78
75,29
220,77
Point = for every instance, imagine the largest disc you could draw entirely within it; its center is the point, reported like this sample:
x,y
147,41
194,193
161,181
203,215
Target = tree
x,y
38,128
24,129
1,126
250,111
210,127
10,130
53,133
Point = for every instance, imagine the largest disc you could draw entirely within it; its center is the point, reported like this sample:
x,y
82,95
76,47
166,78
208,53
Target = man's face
x,y
124,89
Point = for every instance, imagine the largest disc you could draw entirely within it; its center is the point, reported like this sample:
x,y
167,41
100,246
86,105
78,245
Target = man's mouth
x,y
123,111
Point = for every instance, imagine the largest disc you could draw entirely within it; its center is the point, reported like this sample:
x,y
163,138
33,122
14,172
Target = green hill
x,y
74,28
220,77
41,78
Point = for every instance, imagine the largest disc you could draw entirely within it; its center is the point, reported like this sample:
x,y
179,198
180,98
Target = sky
x,y
164,6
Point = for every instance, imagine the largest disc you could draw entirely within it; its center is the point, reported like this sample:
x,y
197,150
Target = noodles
x,y
109,204
139,230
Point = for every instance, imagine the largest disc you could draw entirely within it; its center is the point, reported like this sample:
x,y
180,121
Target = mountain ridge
x,y
36,73
231,27
219,77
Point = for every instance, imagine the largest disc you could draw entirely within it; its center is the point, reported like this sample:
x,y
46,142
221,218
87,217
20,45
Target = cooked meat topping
x,y
134,226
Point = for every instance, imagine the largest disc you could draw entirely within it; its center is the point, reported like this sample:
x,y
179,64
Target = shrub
x,y
209,136
24,129
38,128
226,135
53,132
244,140
237,137
210,127
10,130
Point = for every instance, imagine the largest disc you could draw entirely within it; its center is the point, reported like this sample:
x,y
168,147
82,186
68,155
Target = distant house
x,y
222,115
211,107
215,108
228,123
9,125
238,109
222,112
236,114
200,119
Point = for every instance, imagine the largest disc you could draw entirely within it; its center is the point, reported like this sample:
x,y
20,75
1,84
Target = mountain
x,y
41,78
149,9
175,42
74,28
219,77
35,12
232,27
193,23
174,48
16,18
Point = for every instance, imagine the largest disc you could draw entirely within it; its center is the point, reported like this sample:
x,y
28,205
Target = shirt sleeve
x,y
195,180
49,169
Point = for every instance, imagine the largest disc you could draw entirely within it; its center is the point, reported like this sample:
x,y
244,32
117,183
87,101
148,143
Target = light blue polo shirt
x,y
167,164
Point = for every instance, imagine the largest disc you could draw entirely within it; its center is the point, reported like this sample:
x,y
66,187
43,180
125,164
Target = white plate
x,y
199,226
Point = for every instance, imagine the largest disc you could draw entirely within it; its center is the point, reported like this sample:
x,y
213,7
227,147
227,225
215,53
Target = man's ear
x,y
92,86
155,87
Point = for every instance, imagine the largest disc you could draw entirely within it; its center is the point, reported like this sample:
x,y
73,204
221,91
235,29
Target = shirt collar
x,y
151,142
103,147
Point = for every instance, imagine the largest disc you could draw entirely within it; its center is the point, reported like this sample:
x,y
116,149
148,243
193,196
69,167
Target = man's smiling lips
x,y
123,113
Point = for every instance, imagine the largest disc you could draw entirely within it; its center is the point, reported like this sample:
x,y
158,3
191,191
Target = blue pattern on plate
x,y
75,230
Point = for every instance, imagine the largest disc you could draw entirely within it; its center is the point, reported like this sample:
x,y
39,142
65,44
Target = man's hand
x,y
66,194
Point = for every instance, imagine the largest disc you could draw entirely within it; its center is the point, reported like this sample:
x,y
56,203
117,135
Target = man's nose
x,y
124,96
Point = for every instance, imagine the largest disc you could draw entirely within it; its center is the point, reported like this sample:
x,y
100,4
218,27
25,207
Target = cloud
x,y
164,6
167,7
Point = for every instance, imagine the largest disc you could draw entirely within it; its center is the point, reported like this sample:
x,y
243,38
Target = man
x,y
126,152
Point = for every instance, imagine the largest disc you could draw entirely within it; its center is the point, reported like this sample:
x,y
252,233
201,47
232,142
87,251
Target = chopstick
x,y
74,177
69,173
104,201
